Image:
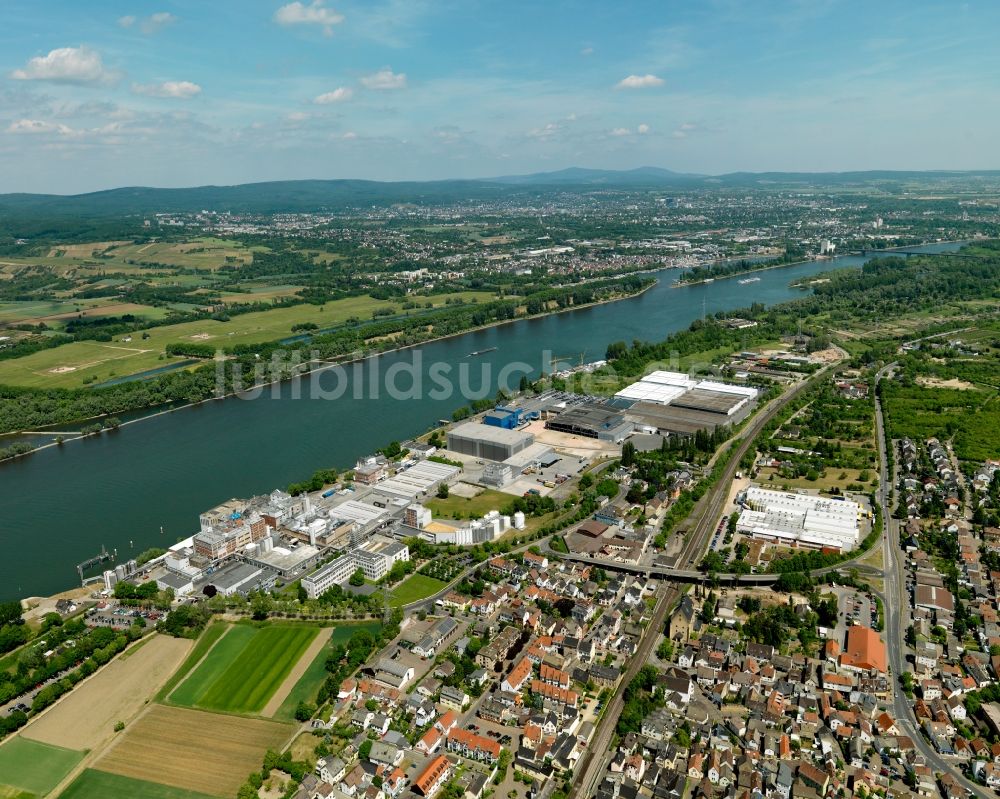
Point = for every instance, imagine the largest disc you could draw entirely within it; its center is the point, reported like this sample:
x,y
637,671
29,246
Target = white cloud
x,y
150,24
683,131
639,82
640,130
587,51
546,132
66,65
173,89
313,14
297,116
338,95
156,21
34,126
384,79
350,135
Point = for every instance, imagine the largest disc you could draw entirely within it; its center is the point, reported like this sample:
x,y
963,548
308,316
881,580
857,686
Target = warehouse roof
x,y
485,432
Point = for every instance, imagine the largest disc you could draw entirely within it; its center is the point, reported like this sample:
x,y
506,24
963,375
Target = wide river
x,y
58,506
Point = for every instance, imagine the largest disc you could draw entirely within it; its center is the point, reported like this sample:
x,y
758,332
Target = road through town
x,y
896,613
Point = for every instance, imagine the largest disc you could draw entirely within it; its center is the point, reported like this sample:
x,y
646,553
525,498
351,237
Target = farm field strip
x,y
249,682
193,750
92,784
35,767
85,717
314,654
219,658
244,669
206,641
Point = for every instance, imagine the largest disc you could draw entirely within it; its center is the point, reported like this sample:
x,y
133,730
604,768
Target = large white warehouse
x,y
805,519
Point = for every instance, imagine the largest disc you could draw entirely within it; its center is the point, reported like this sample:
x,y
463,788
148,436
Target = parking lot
x,y
853,607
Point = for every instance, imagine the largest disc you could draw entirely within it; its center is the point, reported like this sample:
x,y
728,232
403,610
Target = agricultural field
x,y
92,784
86,716
201,253
312,675
206,641
52,312
245,668
209,753
414,588
32,767
82,362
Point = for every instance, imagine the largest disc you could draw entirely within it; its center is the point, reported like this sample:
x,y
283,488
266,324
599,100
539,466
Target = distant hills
x,y
313,195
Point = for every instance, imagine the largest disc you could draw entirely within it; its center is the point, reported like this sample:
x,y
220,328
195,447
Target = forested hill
x,y
319,195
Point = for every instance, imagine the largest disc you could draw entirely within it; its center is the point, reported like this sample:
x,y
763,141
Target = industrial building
x,y
226,533
509,418
592,420
238,578
802,519
497,474
375,558
488,442
287,562
679,390
492,525
673,403
421,479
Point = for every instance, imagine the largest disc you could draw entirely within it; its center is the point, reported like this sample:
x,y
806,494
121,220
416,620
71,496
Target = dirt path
x,y
296,673
85,718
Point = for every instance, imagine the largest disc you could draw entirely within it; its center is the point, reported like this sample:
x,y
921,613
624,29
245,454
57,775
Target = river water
x,y
60,505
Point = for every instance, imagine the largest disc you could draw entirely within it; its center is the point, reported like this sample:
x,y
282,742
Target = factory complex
x,y
324,538
805,520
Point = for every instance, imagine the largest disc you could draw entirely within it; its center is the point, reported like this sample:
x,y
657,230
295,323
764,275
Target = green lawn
x,y
414,588
478,505
93,784
245,668
35,767
205,642
308,685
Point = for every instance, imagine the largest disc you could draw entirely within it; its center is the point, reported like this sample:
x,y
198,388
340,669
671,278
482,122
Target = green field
x,y
478,505
35,767
244,669
205,642
93,784
307,686
71,365
414,588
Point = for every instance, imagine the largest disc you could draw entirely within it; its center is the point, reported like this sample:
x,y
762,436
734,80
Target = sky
x,y
107,93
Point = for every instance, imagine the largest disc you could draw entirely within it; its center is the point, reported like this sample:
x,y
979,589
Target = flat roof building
x,y
592,420
488,442
800,518
375,558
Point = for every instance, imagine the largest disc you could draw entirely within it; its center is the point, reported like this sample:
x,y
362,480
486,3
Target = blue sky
x,y
172,93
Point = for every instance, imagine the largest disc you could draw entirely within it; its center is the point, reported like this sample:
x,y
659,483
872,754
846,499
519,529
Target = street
x,y
897,614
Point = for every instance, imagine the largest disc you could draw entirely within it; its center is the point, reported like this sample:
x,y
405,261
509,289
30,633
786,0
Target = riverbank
x,y
833,259
323,365
146,489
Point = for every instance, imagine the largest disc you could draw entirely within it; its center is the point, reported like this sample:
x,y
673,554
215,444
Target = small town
x,y
565,636
410,399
